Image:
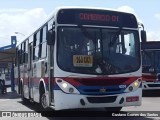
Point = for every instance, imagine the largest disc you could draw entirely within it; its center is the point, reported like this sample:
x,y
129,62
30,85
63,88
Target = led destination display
x,y
96,17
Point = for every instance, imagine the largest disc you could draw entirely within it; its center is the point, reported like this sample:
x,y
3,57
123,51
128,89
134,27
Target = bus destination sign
x,y
96,17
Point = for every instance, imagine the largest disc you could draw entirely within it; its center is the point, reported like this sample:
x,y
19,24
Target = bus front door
x,y
51,74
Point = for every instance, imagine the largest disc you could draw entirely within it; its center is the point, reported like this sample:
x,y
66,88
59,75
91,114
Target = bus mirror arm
x,y
50,37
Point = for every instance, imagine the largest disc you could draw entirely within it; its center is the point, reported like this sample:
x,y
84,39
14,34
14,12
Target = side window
x,y
26,52
21,53
36,53
36,46
38,38
42,46
44,50
44,34
31,39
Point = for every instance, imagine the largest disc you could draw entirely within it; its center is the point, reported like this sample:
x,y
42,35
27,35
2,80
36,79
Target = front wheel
x,y
43,102
113,108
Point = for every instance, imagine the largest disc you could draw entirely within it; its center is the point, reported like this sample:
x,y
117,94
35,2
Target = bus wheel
x,y
113,109
43,101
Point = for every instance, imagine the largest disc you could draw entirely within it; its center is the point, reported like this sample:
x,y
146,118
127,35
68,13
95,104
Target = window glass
x,y
43,54
21,59
44,34
38,38
26,48
21,48
30,39
36,53
26,57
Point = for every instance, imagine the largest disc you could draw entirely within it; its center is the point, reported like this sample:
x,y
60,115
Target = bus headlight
x,y
66,87
134,86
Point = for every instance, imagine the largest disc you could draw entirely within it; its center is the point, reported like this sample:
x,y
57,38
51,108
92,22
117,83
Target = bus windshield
x,y
98,50
150,61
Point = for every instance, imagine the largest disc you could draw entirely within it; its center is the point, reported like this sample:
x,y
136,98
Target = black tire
x,y
113,109
43,102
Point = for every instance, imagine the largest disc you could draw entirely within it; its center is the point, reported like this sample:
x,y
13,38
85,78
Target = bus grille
x,y
100,90
109,99
102,82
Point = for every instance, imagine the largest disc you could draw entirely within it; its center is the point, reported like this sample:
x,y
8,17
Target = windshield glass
x,y
150,61
97,50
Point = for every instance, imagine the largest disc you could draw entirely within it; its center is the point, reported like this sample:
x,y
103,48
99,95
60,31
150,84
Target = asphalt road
x,y
11,103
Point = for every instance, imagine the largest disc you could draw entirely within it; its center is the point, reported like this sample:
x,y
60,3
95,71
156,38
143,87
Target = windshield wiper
x,y
85,32
115,37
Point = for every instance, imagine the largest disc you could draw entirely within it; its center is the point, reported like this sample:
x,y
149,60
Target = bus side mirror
x,y
50,37
143,36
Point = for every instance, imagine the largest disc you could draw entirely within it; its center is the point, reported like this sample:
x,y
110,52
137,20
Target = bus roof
x,y
56,10
86,7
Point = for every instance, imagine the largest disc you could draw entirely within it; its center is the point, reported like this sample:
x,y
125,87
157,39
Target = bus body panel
x,y
38,76
91,94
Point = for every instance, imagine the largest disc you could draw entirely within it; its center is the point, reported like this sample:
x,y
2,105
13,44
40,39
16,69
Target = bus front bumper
x,y
73,101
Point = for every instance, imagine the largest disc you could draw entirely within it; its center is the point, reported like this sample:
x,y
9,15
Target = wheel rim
x,y
44,101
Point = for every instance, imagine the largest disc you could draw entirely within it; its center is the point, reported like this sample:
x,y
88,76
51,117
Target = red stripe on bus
x,y
100,81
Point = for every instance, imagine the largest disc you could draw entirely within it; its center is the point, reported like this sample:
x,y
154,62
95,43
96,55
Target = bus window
x,y
36,46
42,46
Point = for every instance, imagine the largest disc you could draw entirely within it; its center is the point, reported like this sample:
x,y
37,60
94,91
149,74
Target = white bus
x,y
151,65
82,58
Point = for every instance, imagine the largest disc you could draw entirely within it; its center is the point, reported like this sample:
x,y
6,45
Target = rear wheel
x,y
113,108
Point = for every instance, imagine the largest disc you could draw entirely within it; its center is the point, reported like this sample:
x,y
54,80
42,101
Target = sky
x,y
23,16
